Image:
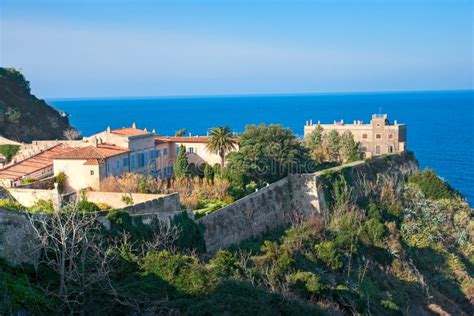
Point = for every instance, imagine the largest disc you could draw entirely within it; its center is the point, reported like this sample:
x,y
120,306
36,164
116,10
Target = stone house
x,y
36,167
86,167
379,137
196,148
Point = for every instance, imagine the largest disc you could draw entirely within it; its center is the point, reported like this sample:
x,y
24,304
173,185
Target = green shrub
x,y
190,233
241,298
208,206
12,205
374,212
307,282
104,206
127,199
60,179
85,206
389,305
17,293
183,272
9,151
208,173
431,185
374,230
42,206
27,180
327,252
224,264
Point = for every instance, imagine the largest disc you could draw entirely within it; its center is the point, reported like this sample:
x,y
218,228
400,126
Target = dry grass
x,y
191,190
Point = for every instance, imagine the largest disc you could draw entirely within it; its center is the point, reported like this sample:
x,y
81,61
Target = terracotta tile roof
x,y
181,139
33,164
102,151
129,131
92,162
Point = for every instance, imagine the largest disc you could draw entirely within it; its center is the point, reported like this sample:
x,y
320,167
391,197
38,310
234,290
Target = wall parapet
x,y
142,203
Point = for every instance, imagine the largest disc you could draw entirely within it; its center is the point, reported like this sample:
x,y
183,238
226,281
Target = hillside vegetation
x,y
392,246
23,117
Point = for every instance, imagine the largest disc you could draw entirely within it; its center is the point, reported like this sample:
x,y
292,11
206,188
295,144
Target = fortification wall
x,y
296,196
143,203
249,217
17,240
28,197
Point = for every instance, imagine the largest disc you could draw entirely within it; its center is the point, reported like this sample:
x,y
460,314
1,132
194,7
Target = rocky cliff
x,y
23,117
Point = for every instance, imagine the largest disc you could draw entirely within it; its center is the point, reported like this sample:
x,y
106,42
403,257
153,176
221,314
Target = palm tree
x,y
221,141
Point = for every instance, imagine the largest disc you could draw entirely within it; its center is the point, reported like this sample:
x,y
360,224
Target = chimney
x,y
145,130
395,122
134,125
355,122
153,131
319,122
96,142
108,129
311,122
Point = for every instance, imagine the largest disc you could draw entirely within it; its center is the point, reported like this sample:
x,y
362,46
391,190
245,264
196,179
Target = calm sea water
x,y
440,124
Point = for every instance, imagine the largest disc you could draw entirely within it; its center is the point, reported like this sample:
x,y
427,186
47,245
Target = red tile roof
x,y
92,162
129,131
180,139
33,164
102,151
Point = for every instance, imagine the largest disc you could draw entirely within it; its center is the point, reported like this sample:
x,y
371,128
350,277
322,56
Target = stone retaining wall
x,y
295,196
142,203
17,239
28,197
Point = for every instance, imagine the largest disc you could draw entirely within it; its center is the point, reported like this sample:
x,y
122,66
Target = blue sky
x,y
166,48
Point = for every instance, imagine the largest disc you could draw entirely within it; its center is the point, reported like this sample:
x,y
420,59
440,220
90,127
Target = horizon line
x,y
243,95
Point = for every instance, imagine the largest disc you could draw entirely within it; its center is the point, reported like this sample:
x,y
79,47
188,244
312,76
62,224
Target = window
x,y
117,165
141,160
364,136
378,124
133,161
125,162
177,149
390,136
191,150
158,153
364,148
165,151
92,172
390,149
377,149
378,136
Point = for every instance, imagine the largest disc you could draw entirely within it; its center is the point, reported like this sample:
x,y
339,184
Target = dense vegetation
x,y
388,246
332,147
9,151
23,117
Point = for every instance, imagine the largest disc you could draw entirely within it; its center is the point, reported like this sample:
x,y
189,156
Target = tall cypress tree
x,y
181,164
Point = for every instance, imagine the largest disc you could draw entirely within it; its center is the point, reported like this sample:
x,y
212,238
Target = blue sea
x,y
440,124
